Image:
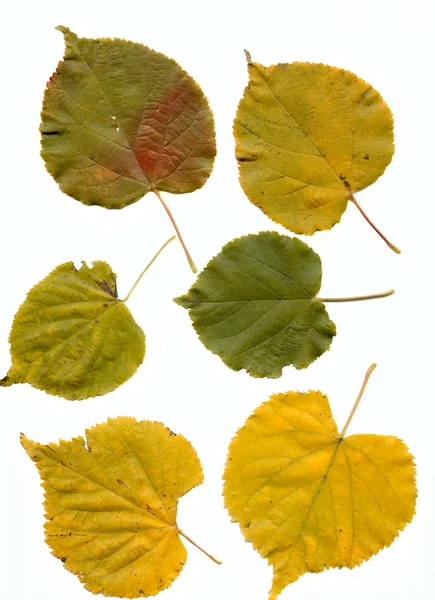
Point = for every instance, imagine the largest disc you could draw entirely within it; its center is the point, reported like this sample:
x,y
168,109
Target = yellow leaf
x,y
309,499
308,136
111,504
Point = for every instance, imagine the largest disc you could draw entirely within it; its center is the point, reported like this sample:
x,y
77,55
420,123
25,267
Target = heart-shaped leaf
x,y
255,305
308,136
307,497
73,337
120,120
111,505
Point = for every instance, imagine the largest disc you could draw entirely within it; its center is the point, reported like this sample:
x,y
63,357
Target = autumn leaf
x,y
73,337
307,497
255,305
120,120
111,504
308,136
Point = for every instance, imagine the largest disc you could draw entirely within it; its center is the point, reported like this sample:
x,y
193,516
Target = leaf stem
x,y
147,267
389,244
218,562
186,251
357,298
355,406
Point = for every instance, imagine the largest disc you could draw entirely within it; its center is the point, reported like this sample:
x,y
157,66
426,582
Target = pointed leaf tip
x,y
248,57
66,31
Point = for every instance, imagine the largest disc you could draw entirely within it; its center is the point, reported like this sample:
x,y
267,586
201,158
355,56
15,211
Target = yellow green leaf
x,y
111,504
72,337
308,136
307,497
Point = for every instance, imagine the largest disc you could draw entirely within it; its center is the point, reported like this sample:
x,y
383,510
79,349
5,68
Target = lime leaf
x,y
307,497
255,305
72,337
308,136
120,120
111,504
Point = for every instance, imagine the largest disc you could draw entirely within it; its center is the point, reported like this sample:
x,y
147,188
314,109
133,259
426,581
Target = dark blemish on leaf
x,y
63,559
121,482
248,525
344,180
62,463
366,157
245,159
50,132
105,305
170,431
106,288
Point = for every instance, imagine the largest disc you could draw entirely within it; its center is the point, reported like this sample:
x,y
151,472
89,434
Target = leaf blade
x,y
307,135
72,337
253,305
309,500
120,119
111,507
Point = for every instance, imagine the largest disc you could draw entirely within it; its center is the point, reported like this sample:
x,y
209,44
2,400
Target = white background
x,y
387,43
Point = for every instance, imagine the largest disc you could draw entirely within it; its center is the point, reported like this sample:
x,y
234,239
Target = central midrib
x,y
119,124
248,300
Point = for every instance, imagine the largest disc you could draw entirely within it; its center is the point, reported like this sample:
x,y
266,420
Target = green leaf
x,y
120,120
72,337
308,136
255,305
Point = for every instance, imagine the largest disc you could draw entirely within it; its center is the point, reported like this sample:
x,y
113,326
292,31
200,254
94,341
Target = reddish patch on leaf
x,y
166,134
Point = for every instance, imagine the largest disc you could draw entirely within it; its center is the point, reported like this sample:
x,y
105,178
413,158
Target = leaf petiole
x,y
186,251
147,267
389,244
218,562
357,401
357,298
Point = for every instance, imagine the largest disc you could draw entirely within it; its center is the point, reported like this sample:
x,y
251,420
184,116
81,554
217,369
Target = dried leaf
x,y
111,504
307,497
72,337
120,120
308,136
